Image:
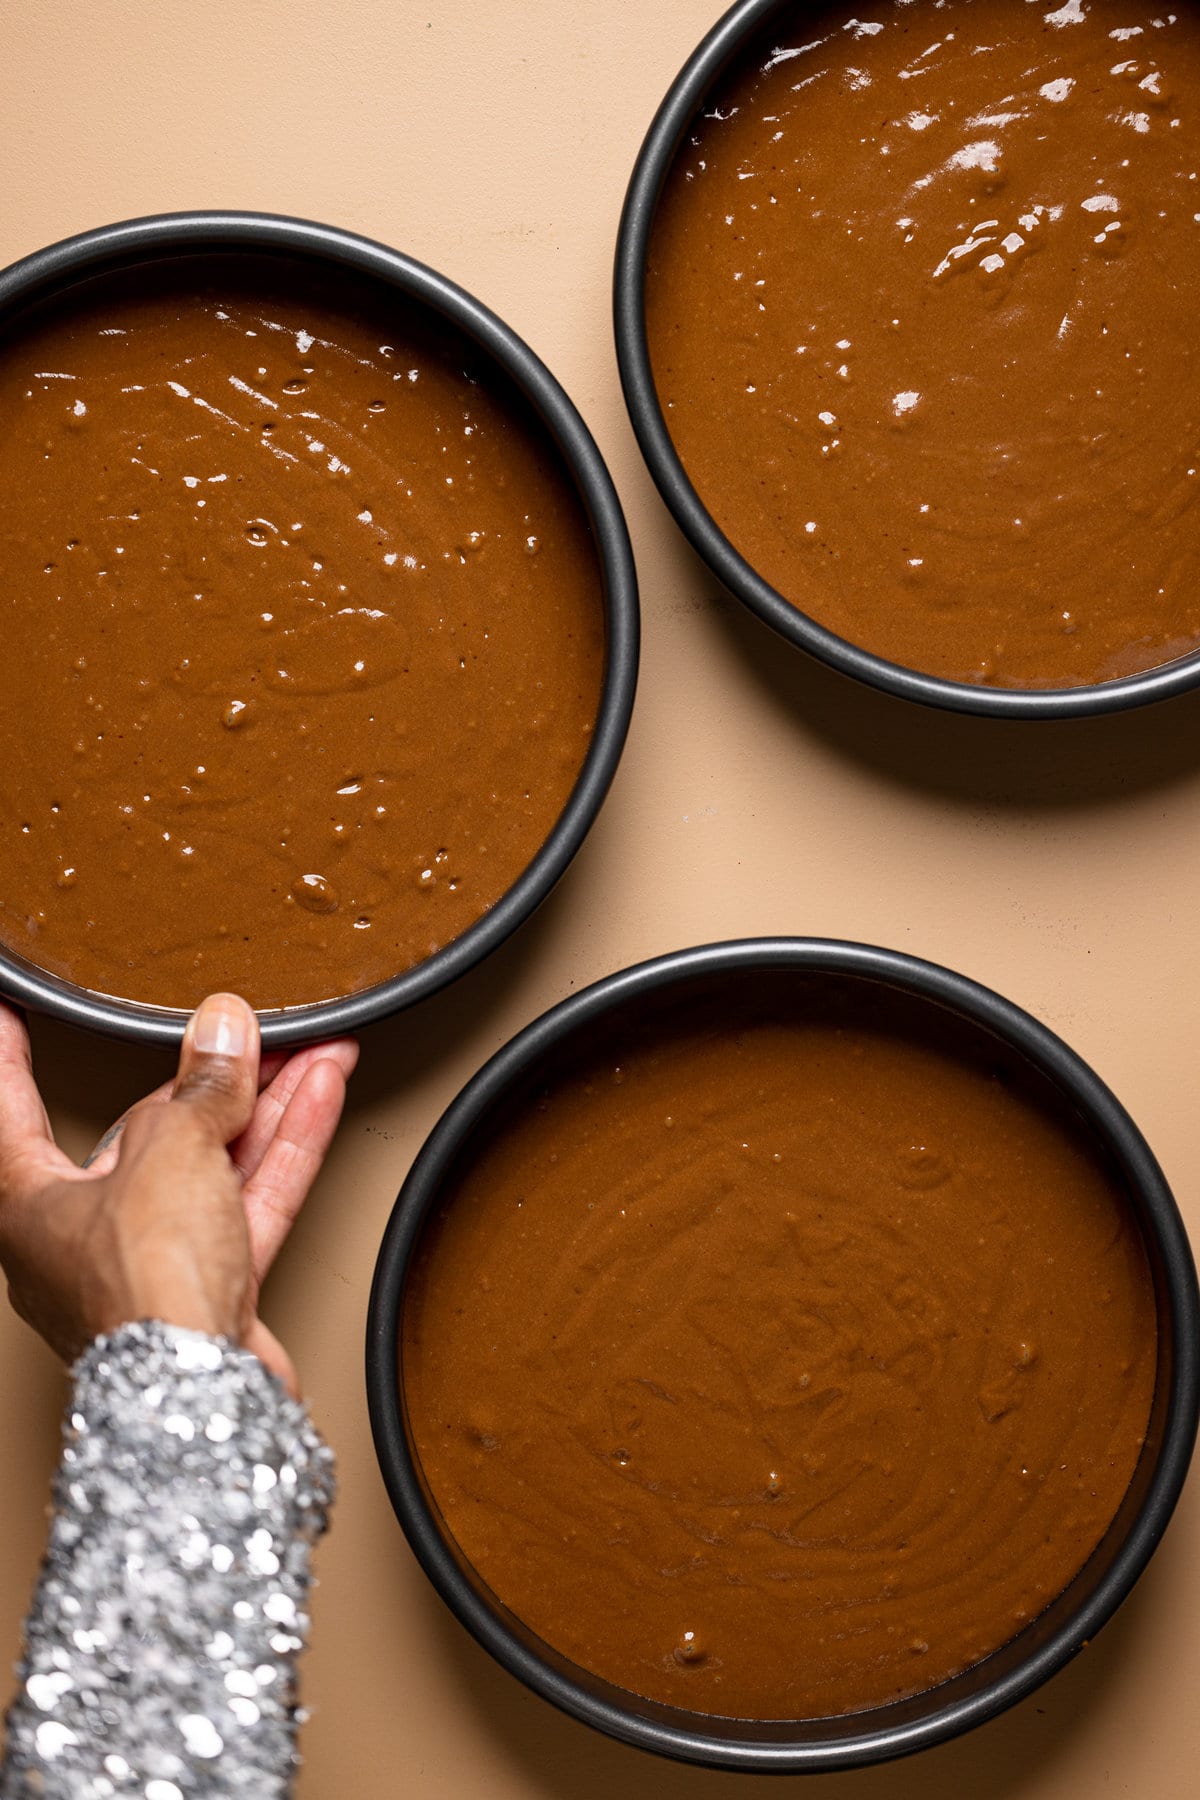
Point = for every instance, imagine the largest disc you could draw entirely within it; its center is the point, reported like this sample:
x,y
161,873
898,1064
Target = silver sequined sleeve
x,y
161,1648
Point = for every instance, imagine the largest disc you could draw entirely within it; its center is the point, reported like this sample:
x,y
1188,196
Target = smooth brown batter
x,y
783,1359
303,636
921,308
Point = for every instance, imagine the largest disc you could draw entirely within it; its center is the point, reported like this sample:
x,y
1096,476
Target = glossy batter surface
x,y
921,311
783,1359
303,636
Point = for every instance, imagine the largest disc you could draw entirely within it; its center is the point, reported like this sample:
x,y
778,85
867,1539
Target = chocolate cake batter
x,y
303,636
921,310
782,1359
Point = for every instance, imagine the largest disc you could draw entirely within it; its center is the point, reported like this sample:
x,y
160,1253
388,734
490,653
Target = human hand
x,y
184,1204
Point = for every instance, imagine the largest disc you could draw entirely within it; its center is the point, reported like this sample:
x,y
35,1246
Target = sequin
x,y
189,1496
200,1735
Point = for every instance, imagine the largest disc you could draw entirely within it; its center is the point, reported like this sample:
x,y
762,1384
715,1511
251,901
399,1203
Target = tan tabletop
x,y
1059,864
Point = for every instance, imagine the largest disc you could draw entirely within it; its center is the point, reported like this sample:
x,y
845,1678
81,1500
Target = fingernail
x,y
221,1026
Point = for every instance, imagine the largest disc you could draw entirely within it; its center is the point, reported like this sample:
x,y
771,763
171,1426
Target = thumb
x,y
218,1065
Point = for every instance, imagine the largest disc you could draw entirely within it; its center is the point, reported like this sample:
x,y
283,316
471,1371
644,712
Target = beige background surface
x,y
493,139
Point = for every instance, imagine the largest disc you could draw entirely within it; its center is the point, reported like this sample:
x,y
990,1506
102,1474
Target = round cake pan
x,y
679,110
175,236
984,1690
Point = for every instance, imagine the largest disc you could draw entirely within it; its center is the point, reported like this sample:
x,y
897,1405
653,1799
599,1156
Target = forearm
x,y
161,1647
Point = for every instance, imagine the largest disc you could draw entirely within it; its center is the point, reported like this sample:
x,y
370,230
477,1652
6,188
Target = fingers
x,y
218,1066
103,1158
273,1102
26,1143
276,1192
